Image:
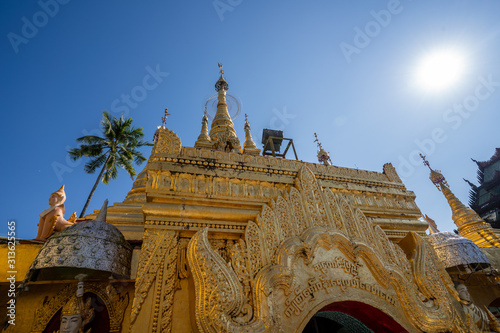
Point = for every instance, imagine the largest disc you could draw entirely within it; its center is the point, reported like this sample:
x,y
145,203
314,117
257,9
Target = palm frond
x,y
125,164
86,150
93,164
91,140
110,174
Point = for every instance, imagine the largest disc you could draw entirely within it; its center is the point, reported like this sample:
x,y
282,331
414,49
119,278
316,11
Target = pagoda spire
x,y
323,155
203,139
469,224
222,133
249,147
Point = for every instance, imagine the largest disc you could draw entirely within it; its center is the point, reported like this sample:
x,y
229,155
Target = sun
x,y
440,70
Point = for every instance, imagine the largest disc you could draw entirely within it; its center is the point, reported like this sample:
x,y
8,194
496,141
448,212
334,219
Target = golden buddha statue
x,y
52,218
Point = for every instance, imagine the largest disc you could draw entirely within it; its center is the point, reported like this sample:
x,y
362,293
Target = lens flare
x,y
440,70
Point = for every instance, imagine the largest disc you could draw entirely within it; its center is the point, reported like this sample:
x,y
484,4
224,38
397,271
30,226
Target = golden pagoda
x,y
217,238
469,224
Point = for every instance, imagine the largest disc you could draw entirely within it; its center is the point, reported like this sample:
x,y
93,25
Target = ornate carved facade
x,y
225,240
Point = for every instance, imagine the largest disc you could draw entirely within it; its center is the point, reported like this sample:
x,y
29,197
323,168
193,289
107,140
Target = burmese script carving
x,y
331,253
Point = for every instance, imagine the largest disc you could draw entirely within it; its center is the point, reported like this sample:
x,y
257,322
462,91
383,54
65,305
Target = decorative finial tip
x,y
426,163
317,141
221,84
164,118
323,156
436,177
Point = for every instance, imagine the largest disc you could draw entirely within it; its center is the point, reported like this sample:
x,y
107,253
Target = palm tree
x,y
117,147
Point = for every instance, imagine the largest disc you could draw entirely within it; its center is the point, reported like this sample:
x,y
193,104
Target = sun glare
x,y
439,70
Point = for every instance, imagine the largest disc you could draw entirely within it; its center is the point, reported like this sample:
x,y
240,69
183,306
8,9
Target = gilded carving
x,y
49,307
298,211
390,172
388,178
168,142
256,256
281,273
157,266
270,231
169,283
115,303
219,295
182,264
285,219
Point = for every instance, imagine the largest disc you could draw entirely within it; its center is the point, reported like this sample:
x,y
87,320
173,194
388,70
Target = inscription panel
x,y
332,276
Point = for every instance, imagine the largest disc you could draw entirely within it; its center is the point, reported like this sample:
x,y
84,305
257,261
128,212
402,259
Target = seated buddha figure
x,y
484,320
52,218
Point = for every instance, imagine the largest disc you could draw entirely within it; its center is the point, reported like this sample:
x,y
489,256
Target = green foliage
x,y
116,148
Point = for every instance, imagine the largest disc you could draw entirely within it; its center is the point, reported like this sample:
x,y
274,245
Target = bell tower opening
x,y
351,316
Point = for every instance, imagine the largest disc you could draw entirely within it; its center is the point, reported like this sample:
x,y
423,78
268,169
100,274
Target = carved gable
x,y
309,248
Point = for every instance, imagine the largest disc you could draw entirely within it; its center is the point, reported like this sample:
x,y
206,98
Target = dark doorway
x,y
333,322
352,316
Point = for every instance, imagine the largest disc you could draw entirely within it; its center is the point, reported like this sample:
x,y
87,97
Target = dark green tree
x,y
116,148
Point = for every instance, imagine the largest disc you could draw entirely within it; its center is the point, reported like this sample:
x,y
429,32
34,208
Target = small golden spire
x,y
204,139
249,147
222,133
323,155
469,224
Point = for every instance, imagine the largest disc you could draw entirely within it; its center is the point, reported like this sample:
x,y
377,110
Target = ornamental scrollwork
x,y
280,272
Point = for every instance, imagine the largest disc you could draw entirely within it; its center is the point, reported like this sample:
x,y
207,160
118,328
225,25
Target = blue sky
x,y
65,62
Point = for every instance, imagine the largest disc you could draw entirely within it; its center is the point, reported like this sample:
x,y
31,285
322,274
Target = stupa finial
x,y
220,67
323,155
436,176
204,139
222,133
249,147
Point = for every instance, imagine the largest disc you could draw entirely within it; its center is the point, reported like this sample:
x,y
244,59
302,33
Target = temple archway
x,y
309,249
351,316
